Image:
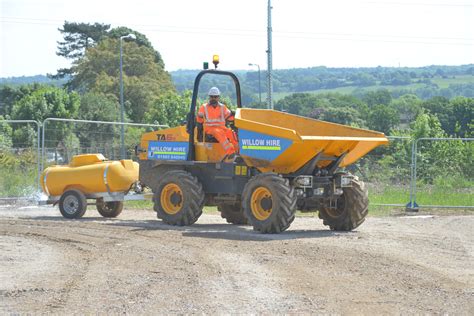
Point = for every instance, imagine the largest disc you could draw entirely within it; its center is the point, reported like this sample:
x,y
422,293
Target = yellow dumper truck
x,y
285,163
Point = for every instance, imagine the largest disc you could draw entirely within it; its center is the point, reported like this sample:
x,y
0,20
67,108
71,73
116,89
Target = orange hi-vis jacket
x,y
214,124
213,116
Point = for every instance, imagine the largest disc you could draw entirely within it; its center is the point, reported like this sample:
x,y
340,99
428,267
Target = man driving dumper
x,y
213,115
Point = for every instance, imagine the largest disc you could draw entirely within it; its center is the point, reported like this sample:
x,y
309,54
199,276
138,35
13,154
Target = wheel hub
x,y
266,203
71,204
176,198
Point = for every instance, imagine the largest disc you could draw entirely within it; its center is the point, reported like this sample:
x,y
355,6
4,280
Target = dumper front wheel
x,y
233,213
178,198
72,204
110,209
350,210
269,203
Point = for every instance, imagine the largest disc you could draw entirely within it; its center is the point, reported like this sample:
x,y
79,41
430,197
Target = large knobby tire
x,y
352,208
178,198
73,204
110,209
269,203
233,213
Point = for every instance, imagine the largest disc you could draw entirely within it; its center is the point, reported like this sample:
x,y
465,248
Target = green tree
x,y
98,107
342,115
46,102
408,107
5,135
78,37
141,40
314,105
144,79
383,118
381,96
169,109
437,158
463,112
297,103
443,109
42,103
363,79
9,95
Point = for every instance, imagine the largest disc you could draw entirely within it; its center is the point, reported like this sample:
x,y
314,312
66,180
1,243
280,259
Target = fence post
x,y
412,206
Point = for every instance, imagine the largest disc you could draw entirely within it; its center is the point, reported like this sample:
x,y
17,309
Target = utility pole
x,y
259,84
122,131
269,55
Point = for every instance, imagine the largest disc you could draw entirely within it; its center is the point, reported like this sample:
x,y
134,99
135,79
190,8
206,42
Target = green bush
x,y
19,173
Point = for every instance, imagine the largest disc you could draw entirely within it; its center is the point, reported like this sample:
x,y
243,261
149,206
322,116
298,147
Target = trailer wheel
x,y
269,203
233,213
178,198
72,204
351,209
109,209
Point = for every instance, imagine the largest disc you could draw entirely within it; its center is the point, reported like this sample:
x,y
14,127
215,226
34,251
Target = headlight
x,y
346,181
318,191
304,181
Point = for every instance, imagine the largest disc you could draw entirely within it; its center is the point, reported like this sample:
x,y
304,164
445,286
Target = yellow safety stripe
x,y
169,153
262,147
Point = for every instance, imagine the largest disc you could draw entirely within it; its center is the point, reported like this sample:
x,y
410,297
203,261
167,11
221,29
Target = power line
x,y
423,40
224,30
422,4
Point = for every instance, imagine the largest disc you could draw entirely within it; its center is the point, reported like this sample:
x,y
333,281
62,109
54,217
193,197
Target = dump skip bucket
x,y
281,142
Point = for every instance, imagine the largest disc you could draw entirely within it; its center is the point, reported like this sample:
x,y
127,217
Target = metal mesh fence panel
x,y
19,158
443,173
65,138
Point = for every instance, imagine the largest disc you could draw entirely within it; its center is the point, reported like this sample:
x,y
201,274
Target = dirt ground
x,y
135,264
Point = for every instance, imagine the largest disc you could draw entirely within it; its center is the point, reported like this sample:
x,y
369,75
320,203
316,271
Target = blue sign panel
x,y
168,150
261,146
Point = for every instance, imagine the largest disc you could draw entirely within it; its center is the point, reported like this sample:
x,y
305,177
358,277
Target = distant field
x,y
441,82
444,83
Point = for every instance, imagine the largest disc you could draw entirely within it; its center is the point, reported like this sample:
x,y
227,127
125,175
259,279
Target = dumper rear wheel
x,y
178,198
269,203
73,204
233,213
351,208
110,209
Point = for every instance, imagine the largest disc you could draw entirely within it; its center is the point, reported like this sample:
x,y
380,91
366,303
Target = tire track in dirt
x,y
138,265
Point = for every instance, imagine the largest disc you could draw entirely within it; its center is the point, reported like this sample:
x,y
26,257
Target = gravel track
x,y
135,264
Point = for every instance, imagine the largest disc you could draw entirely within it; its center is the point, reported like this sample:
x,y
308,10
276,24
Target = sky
x,y
306,33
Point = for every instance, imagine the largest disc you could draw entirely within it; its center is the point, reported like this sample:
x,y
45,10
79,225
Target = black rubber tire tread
x,y
81,198
193,198
356,208
152,175
283,199
110,209
233,213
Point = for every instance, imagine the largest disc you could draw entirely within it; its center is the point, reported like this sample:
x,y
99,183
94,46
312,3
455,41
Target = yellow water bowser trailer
x,y
91,176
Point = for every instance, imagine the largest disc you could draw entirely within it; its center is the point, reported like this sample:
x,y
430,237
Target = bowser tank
x,y
90,173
